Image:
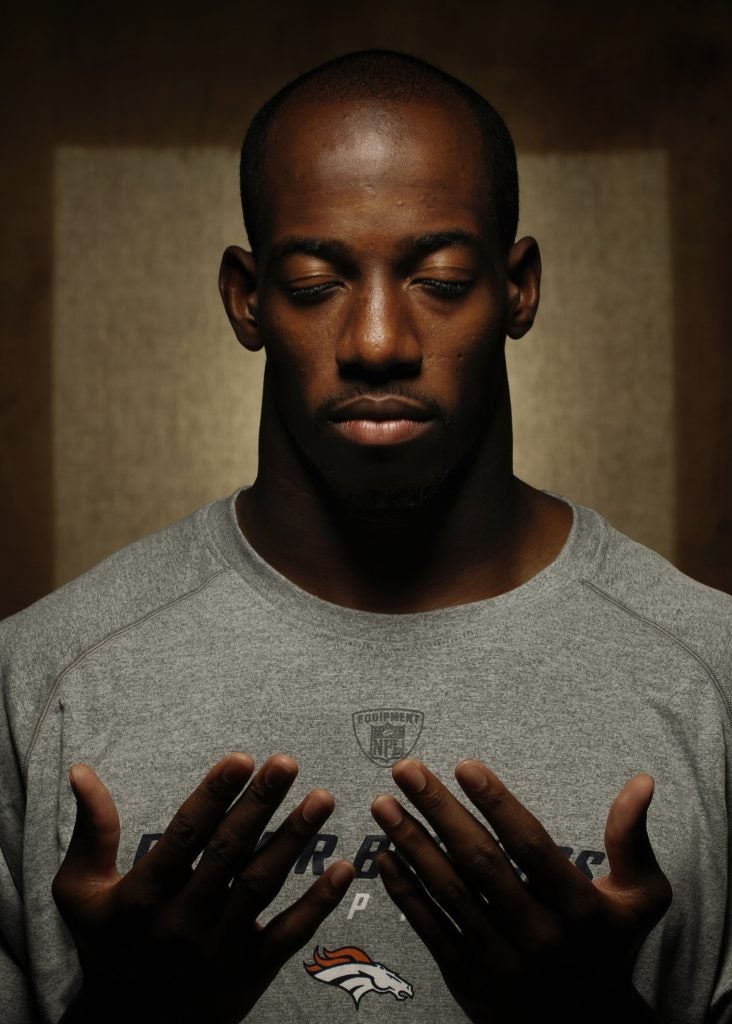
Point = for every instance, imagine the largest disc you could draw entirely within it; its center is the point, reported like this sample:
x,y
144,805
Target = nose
x,y
378,336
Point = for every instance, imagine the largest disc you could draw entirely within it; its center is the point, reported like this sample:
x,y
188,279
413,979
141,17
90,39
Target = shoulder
x,y
40,642
643,585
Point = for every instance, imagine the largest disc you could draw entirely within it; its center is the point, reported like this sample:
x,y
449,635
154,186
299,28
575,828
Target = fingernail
x,y
341,875
471,776
236,771
317,806
278,773
72,781
388,811
411,778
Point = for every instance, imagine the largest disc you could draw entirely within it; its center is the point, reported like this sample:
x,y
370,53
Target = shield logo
x,y
386,735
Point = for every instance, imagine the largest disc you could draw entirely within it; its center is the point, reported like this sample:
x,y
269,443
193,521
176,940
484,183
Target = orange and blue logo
x,y
354,971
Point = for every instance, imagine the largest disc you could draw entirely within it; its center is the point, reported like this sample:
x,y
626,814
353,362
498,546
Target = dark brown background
x,y
566,77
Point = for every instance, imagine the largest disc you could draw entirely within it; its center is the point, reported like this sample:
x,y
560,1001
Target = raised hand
x,y
171,943
556,946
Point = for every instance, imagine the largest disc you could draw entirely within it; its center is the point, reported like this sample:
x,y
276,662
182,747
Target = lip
x,y
383,421
364,408
381,432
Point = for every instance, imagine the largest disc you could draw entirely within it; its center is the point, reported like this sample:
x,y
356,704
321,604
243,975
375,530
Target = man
x,y
386,588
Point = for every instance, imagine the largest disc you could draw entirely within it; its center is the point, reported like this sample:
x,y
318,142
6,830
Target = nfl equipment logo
x,y
386,735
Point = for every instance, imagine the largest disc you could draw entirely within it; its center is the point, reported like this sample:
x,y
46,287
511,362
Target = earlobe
x,y
523,269
238,287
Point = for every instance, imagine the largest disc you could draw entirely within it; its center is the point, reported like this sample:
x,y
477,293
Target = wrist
x,y
619,1004
100,1003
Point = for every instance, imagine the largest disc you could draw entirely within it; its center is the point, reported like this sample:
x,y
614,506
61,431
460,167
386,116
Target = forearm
x,y
102,1002
619,1005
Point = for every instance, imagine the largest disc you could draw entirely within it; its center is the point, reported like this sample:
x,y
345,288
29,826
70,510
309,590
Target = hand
x,y
557,946
167,942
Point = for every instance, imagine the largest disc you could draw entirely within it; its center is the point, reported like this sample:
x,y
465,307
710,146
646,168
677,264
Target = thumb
x,y
628,847
92,852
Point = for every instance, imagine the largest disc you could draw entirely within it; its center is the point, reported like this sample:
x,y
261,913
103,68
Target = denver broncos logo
x,y
353,970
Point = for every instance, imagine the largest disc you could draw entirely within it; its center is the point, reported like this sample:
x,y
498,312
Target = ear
x,y
238,287
523,269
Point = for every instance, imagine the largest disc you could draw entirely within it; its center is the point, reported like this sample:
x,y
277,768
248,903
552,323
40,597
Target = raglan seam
x,y
671,635
97,645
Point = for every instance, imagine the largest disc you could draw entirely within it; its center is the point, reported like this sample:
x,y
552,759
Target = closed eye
x,y
312,292
445,289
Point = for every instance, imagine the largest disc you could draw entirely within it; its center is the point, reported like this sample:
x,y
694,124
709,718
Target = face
x,y
381,298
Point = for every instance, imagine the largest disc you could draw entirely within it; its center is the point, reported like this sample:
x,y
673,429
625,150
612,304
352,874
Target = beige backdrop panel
x,y
155,407
593,382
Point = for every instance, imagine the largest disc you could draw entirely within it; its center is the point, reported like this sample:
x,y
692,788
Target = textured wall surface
x,y
593,382
124,400
155,405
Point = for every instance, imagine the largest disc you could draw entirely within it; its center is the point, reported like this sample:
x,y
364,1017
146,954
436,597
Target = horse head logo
x,y
353,970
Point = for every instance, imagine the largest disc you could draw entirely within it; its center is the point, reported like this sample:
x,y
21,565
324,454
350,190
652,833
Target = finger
x,y
92,851
553,878
166,867
627,844
433,926
264,876
89,868
479,858
435,871
633,864
293,927
234,840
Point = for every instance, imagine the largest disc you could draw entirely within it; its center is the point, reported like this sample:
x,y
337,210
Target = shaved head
x,y
383,78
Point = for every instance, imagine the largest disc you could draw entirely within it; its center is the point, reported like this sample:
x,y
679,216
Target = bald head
x,y
381,78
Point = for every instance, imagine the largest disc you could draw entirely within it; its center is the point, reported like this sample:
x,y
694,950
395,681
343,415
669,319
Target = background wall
x,y
124,399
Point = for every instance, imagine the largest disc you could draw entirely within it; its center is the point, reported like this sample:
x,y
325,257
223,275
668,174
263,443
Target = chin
x,y
386,496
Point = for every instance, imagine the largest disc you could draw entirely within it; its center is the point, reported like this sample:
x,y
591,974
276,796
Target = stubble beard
x,y
391,493
387,497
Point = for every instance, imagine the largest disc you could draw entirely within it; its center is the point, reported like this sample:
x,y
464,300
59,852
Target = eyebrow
x,y
426,244
325,248
334,249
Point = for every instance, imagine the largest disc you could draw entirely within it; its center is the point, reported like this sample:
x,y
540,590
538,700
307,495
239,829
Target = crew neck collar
x,y
586,537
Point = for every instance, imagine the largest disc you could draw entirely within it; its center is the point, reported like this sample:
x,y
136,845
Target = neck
x,y
482,534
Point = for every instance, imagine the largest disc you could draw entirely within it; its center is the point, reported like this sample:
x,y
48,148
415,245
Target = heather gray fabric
x,y
187,645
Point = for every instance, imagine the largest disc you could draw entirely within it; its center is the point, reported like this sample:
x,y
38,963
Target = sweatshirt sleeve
x,y
17,1005
19,704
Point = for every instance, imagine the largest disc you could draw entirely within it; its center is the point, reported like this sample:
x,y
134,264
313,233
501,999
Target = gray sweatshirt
x,y
187,645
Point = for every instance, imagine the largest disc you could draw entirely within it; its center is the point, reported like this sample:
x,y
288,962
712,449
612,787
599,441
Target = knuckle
x,y
221,848
213,788
296,827
256,883
482,858
409,832
322,895
182,834
259,799
453,894
432,800
493,798
330,895
533,845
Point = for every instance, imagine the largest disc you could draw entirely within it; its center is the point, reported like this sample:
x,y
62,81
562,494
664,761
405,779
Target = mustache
x,y
391,391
